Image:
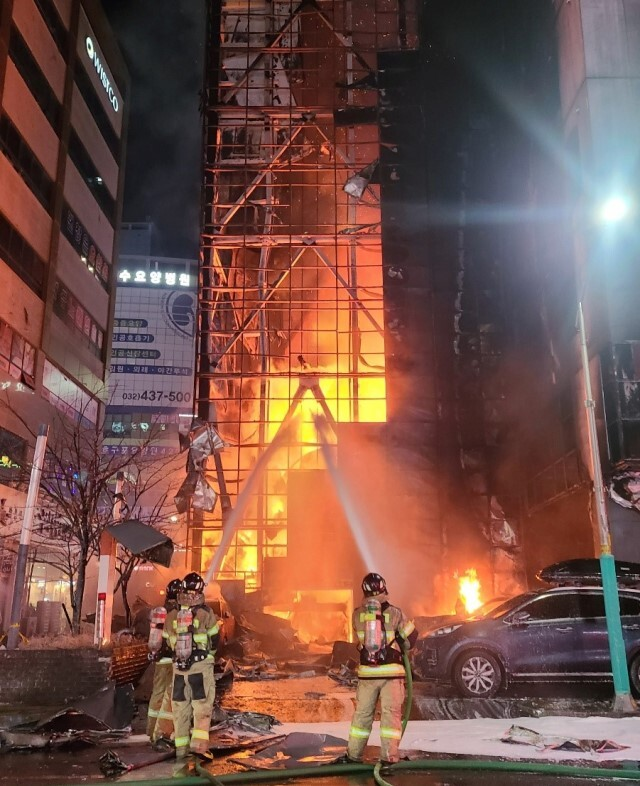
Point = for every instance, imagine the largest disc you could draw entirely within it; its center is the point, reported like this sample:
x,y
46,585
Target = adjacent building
x,y
582,256
64,99
151,379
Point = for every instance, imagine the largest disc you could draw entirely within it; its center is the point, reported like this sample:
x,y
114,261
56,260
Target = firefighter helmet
x,y
173,588
193,582
373,584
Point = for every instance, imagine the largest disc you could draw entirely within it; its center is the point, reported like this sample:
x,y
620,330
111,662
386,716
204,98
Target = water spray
x,y
231,524
345,496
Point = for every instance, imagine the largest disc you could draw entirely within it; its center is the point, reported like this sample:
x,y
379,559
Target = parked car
x,y
557,634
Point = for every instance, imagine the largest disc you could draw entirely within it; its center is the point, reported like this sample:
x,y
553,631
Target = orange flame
x,y
469,590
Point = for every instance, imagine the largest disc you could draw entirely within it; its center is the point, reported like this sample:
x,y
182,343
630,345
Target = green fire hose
x,y
204,777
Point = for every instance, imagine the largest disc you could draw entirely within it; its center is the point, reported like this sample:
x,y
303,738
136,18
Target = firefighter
x,y
193,632
159,718
382,632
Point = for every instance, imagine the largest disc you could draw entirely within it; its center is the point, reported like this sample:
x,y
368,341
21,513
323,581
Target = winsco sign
x,y
92,52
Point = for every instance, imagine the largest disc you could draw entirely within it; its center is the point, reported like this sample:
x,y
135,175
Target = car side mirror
x,y
519,618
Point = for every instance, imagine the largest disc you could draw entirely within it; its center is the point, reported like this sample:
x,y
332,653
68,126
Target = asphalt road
x,y
290,700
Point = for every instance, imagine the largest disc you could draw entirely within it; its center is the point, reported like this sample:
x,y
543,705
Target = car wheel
x,y
477,674
634,675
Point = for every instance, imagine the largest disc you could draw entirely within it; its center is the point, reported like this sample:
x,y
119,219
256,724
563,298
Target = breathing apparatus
x,y
373,641
157,619
184,641
373,585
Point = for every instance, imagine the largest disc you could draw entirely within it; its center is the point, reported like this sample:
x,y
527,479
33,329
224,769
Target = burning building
x,y
323,293
292,316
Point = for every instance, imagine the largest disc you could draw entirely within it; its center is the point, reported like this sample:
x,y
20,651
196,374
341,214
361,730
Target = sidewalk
x,y
481,737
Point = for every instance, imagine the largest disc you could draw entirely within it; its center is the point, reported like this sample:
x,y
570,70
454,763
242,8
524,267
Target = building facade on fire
x,y
292,290
319,297
395,239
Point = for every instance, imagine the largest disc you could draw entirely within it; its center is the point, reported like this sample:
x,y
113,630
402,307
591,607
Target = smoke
x,y
163,44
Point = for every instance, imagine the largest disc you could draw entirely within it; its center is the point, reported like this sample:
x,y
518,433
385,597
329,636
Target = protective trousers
x,y
193,693
391,693
159,718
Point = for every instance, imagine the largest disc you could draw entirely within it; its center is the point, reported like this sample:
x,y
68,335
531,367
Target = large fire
x,y
469,590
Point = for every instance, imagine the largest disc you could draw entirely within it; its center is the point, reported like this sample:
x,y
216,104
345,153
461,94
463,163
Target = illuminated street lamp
x,y
615,209
611,212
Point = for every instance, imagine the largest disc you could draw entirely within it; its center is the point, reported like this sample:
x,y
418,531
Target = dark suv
x,y
557,634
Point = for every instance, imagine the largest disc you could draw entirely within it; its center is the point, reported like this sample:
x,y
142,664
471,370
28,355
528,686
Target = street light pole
x,y
623,701
25,537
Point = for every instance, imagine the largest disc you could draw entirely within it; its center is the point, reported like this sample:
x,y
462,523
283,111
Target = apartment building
x,y
64,102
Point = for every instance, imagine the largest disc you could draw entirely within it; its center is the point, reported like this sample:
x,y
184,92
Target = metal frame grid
x,y
291,298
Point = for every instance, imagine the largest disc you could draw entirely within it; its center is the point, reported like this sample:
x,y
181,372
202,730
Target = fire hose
x,y
204,777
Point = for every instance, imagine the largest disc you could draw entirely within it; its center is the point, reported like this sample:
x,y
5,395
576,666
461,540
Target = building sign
x,y
92,51
153,349
157,278
95,65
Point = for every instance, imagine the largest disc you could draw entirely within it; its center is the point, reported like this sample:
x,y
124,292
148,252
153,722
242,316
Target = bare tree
x,y
77,490
161,517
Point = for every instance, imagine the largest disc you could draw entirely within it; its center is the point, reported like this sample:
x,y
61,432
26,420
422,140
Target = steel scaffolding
x,y
291,296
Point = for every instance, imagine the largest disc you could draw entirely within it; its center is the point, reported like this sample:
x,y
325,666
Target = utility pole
x,y
623,701
107,572
25,538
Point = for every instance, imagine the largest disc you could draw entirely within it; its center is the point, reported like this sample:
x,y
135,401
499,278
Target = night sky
x,y
163,45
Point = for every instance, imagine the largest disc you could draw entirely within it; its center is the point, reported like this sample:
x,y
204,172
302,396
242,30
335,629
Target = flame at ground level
x,y
318,615
469,590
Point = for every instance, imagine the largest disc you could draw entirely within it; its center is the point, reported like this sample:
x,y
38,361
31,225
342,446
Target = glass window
x,y
55,25
629,606
6,335
553,607
89,173
591,605
13,454
36,81
97,111
25,163
85,247
20,257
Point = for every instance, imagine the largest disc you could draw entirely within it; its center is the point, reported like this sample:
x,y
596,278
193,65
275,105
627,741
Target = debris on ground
x,y
298,749
113,764
344,663
520,735
344,653
260,670
260,632
233,730
258,722
345,675
105,715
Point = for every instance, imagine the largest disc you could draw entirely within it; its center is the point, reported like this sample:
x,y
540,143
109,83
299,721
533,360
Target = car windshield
x,y
498,607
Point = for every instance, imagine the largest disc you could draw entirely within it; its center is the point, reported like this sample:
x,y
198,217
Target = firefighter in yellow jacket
x,y
192,632
382,633
159,717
